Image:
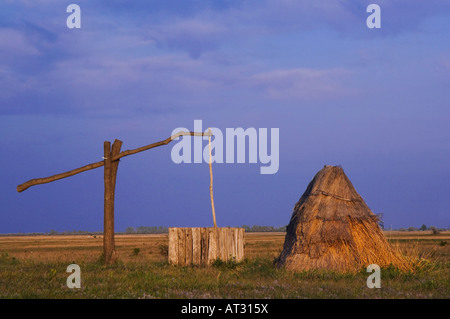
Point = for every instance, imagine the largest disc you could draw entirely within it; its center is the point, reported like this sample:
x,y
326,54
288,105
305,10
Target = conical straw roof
x,y
333,228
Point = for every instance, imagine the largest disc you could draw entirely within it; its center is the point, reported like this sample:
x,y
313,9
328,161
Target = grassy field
x,y
35,267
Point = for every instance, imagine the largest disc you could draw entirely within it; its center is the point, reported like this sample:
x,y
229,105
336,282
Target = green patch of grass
x,y
254,277
223,265
260,267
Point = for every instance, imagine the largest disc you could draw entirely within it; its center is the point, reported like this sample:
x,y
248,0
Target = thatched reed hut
x,y
332,228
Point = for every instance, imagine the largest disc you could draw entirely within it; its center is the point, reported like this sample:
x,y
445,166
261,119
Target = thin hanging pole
x,y
211,180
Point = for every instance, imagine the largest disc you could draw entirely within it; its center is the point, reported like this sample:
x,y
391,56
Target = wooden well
x,y
203,245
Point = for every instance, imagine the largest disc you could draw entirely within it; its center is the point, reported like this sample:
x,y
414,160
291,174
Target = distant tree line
x,y
256,228
165,230
72,232
147,230
56,233
424,227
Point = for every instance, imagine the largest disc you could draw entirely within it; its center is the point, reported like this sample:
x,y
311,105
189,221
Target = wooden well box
x,y
203,245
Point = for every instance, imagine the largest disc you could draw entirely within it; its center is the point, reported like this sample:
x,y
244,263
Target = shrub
x,y
435,230
164,250
230,264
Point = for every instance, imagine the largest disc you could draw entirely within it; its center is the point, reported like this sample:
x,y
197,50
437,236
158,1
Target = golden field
x,y
88,248
35,267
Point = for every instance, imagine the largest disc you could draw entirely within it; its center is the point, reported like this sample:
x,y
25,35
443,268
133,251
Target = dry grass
x,y
68,248
419,234
34,267
84,248
421,244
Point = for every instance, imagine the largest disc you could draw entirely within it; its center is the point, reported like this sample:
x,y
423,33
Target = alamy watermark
x,y
373,21
374,280
74,279
235,147
74,18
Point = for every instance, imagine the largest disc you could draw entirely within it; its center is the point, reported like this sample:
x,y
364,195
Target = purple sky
x,y
375,101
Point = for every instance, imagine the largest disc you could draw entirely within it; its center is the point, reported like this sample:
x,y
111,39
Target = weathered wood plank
x,y
196,246
240,245
202,246
173,246
226,244
212,245
182,247
189,247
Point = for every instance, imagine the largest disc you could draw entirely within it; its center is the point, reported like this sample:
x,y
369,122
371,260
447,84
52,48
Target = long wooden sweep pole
x,y
37,181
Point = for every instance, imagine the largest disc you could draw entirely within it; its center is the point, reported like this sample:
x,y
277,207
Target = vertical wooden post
x,y
110,175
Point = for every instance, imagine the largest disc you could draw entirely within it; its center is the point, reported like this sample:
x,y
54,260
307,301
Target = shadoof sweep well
x,y
332,228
